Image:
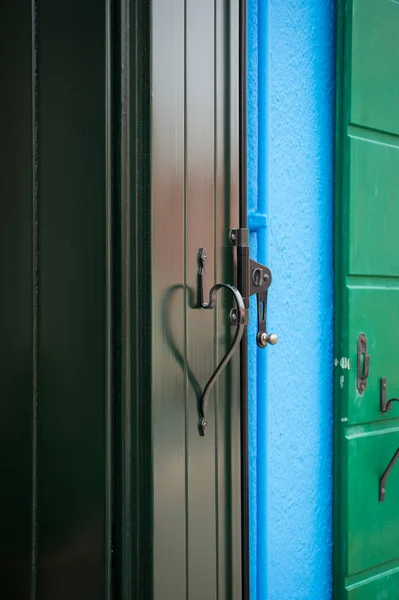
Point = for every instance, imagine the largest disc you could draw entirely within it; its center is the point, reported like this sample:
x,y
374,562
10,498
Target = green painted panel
x,y
373,309
373,526
367,294
374,206
374,64
379,586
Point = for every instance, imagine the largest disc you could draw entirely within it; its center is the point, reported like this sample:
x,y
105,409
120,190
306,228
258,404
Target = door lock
x,y
253,278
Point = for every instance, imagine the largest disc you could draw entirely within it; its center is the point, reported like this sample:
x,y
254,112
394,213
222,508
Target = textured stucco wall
x,y
290,143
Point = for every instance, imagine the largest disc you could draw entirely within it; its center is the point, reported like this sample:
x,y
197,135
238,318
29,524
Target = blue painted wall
x,y
291,57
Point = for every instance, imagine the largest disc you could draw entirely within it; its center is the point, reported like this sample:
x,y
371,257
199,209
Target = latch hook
x,y
254,278
261,279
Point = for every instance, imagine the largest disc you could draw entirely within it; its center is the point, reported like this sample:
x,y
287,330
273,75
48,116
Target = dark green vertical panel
x,y
194,187
168,300
132,536
222,215
72,312
126,541
109,297
233,516
200,232
226,217
16,299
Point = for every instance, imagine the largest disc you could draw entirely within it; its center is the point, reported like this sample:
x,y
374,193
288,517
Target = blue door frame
x,y
291,79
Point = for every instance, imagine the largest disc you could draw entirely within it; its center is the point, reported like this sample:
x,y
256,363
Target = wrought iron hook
x,y
383,480
238,319
385,405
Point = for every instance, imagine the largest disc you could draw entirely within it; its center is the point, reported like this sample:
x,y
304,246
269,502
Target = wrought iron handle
x,y
384,477
238,319
384,405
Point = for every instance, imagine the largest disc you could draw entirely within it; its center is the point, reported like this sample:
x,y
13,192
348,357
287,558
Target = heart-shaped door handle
x,y
238,316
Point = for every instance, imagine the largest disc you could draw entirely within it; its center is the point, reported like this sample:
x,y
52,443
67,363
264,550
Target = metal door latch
x,y
383,480
385,406
363,363
253,278
261,279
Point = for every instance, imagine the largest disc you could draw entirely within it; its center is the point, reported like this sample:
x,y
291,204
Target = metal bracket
x,y
383,480
363,363
260,280
256,279
384,405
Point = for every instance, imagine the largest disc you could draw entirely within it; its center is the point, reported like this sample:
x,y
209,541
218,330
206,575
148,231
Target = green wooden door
x,y
367,224
119,161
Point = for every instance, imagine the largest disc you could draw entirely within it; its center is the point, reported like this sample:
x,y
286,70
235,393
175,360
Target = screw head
x,y
265,277
202,427
233,316
264,339
363,386
233,236
273,339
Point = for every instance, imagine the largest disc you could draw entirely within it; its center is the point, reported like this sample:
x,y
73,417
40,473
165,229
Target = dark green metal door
x,y
194,174
119,161
194,189
367,427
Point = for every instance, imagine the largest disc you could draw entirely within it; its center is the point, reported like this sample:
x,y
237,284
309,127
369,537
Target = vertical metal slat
x,y
35,292
109,303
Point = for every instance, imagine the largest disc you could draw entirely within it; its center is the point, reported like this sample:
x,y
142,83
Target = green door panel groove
x,y
367,298
373,61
